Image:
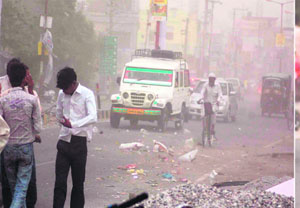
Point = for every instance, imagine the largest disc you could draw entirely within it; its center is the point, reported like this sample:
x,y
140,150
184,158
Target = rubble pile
x,y
265,183
197,195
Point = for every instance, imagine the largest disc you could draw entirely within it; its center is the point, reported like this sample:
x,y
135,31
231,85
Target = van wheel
x,y
114,120
186,114
162,122
180,123
233,118
133,123
227,117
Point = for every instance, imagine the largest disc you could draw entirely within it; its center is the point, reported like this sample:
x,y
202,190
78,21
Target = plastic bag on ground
x,y
189,144
188,157
131,146
161,146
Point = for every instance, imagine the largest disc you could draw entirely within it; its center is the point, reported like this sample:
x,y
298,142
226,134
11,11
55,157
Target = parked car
x,y
228,106
237,86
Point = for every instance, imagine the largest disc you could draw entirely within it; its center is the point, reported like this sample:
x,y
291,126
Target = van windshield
x,y
158,77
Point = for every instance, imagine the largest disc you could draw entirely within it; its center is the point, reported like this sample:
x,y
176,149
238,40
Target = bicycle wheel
x,y
204,130
209,130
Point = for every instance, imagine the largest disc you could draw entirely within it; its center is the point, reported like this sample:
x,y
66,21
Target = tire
x,y
162,122
227,117
133,123
114,120
186,114
206,138
233,118
179,124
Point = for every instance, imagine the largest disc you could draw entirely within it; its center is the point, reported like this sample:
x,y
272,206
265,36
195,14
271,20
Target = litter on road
x,y
188,157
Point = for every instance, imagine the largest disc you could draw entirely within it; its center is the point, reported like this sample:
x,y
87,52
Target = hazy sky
x,y
223,13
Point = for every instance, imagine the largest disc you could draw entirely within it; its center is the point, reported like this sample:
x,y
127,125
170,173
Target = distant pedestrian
x,y
5,88
76,112
22,114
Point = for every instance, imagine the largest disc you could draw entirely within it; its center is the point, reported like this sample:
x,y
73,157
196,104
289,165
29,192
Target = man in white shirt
x,y
76,112
211,94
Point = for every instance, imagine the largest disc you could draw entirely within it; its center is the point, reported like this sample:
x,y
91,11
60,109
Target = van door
x,y
187,93
176,93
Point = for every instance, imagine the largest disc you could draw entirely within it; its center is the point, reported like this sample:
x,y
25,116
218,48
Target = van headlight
x,y
150,97
125,95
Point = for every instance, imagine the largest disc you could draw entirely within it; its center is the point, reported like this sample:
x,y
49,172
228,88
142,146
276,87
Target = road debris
x,y
189,144
131,146
160,146
188,157
197,195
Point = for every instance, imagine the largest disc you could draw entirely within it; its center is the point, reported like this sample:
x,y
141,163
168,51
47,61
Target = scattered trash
x,y
140,172
187,131
189,144
131,146
127,130
161,146
175,133
188,157
212,176
131,166
183,180
155,148
167,176
131,171
95,129
99,179
98,148
144,131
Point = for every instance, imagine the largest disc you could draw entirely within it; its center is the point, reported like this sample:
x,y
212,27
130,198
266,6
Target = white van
x,y
154,86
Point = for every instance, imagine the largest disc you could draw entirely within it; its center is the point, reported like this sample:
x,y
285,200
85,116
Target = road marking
x,y
273,143
45,163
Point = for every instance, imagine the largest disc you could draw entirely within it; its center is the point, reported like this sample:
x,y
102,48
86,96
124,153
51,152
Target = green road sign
x,y
108,58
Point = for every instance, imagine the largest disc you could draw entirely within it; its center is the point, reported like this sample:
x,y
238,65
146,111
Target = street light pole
x,y
281,18
233,37
211,29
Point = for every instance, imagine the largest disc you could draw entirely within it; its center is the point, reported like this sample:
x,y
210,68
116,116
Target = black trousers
x,y
31,196
74,155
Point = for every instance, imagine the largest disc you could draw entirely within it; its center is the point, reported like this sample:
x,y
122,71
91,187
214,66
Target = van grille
x,y
137,99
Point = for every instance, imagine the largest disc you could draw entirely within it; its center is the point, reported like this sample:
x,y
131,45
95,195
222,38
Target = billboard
x,y
159,9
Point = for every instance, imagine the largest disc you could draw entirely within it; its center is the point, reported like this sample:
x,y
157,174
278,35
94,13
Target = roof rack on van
x,y
158,53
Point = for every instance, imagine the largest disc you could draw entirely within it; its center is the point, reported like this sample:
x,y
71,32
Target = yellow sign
x,y
165,2
40,48
280,40
159,9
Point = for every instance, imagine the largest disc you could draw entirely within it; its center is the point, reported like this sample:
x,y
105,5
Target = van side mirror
x,y
118,80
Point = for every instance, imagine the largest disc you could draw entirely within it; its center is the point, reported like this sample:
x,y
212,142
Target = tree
x,y
74,39
20,32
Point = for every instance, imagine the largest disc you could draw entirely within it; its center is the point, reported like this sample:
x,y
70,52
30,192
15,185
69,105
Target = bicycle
x,y
207,124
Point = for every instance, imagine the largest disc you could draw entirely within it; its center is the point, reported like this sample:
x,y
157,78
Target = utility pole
x,y
147,30
157,34
186,37
202,53
211,27
234,38
281,28
43,51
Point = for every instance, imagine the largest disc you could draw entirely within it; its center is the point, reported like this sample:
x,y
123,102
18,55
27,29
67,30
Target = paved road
x,y
242,152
